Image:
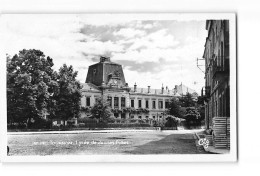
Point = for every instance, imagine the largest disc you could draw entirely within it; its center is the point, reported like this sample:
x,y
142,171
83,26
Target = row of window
x,y
123,103
160,104
116,101
147,117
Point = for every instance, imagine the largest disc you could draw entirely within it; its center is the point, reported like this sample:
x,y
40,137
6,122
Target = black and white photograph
x,y
119,87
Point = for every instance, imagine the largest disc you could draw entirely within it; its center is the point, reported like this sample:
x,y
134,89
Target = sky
x,y
153,52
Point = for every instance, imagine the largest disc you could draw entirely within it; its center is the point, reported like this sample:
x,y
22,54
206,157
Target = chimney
x,y
162,89
104,59
135,87
149,89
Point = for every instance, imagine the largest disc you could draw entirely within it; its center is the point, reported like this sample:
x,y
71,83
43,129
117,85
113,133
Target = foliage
x,y
155,123
40,123
69,94
85,109
172,121
93,123
101,110
127,109
143,110
187,101
116,110
192,117
135,111
201,110
127,125
30,85
201,100
174,108
35,90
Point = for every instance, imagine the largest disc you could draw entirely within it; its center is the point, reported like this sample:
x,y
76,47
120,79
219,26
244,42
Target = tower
x,y
106,73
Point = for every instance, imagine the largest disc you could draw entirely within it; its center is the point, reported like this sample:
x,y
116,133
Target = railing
x,y
220,66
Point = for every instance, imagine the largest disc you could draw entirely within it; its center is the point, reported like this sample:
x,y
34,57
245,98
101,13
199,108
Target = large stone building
x,y
182,90
106,79
216,55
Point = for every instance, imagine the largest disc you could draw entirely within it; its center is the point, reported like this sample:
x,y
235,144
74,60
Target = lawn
x,y
130,142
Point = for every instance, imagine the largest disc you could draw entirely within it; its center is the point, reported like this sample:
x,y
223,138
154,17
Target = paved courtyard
x,y
104,142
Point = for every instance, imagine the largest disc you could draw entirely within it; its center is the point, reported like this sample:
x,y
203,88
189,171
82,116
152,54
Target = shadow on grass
x,y
171,144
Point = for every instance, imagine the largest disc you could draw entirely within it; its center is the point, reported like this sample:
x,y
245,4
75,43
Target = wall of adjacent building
x,y
217,50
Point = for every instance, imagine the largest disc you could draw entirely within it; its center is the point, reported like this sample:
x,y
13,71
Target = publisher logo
x,y
204,142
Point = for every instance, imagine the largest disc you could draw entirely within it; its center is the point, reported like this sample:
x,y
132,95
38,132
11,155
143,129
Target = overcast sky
x,y
152,52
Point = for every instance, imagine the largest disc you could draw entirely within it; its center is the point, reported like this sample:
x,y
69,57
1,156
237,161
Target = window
x,y
146,117
132,103
153,117
116,101
87,101
116,115
154,104
140,117
109,99
147,104
160,104
123,116
96,99
139,103
122,101
167,104
132,117
222,54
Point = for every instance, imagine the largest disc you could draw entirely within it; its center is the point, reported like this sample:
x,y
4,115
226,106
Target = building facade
x,y
182,90
217,76
106,80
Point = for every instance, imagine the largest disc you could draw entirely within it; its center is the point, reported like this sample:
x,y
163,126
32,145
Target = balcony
x,y
220,67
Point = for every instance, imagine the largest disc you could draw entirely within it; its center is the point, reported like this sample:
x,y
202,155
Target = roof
x,y
183,90
106,72
90,87
153,91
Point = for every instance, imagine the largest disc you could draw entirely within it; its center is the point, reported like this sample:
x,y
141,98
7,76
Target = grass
x,y
149,142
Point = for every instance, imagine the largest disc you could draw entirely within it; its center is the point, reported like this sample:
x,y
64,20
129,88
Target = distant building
x,y
106,79
217,76
183,90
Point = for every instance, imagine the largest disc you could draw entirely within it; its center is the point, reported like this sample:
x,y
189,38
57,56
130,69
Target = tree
x,y
201,100
101,110
30,85
172,121
187,101
192,117
69,94
174,108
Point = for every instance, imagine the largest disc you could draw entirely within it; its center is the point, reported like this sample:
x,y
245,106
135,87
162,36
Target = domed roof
x,y
106,73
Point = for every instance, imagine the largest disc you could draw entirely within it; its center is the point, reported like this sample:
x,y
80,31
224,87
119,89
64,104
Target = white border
x,y
231,157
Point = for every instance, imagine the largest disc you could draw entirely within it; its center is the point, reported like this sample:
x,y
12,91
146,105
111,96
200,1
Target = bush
x,y
133,121
16,126
172,121
193,118
40,124
81,124
127,125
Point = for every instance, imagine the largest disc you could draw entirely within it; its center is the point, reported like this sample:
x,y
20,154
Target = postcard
x,y
115,87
